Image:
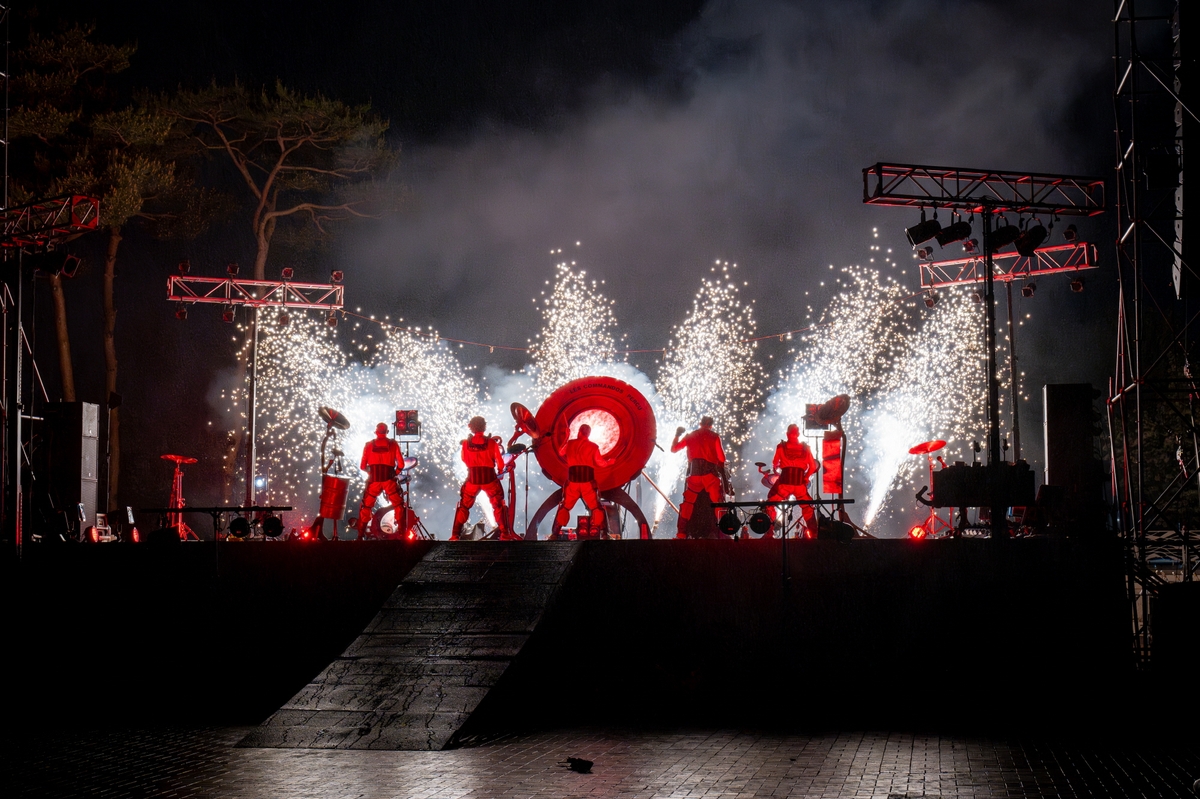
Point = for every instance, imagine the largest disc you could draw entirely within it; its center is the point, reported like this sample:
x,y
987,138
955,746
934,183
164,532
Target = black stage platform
x,y
974,634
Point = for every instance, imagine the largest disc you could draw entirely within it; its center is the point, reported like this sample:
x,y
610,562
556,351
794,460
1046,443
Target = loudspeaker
x,y
68,459
833,530
1070,429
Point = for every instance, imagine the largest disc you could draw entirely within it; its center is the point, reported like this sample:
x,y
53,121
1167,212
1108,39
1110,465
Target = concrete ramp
x,y
430,656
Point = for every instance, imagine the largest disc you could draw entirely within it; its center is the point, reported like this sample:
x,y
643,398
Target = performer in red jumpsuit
x,y
380,460
795,463
583,457
483,457
706,468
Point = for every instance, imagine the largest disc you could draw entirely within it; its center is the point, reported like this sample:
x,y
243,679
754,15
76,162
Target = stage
x,y
879,633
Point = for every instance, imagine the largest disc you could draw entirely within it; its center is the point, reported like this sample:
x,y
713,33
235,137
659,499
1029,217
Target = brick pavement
x,y
205,763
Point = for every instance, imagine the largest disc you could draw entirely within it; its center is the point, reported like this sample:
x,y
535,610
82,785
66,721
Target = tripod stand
x,y
176,503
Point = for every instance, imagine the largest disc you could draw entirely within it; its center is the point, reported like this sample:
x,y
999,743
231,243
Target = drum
x,y
333,496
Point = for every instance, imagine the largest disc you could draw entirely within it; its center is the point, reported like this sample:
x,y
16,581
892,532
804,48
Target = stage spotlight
x,y
729,523
1031,239
231,269
956,232
1004,236
288,273
331,320
1077,285
70,265
283,319
228,314
181,312
1071,234
925,253
260,482
923,231
971,246
184,266
916,532
931,300
336,276
977,297
239,527
1028,289
760,523
272,527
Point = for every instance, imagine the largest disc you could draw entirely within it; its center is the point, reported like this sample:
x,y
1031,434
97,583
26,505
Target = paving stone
x,y
655,765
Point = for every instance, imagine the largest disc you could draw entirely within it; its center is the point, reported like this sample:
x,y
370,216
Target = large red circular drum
x,y
622,424
333,496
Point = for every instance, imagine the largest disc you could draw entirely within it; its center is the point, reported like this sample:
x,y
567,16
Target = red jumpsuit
x,y
705,457
795,463
483,458
583,456
381,460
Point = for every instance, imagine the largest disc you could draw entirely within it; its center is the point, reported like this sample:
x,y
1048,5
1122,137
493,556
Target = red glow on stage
x,y
917,532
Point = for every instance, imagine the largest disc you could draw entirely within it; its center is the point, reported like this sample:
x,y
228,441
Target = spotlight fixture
x,y
729,523
923,231
1028,289
272,527
977,297
184,266
287,272
956,232
760,523
70,265
231,269
916,532
239,527
283,320
336,276
1077,285
331,320
1031,239
228,313
931,300
1071,234
181,312
1004,236
925,253
971,246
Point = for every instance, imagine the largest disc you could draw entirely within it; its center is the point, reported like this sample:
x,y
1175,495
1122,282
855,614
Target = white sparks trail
x,y
710,369
578,335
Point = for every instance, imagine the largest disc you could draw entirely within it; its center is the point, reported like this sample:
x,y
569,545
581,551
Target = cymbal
x,y
927,447
179,459
409,463
517,448
333,418
523,417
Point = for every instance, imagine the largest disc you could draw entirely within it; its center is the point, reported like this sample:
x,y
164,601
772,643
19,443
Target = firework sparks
x,y
710,369
578,335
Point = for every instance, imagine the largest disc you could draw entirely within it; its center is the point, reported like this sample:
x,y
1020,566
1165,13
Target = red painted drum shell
x,y
635,417
333,496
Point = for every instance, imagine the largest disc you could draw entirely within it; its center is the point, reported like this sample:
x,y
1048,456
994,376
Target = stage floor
x,y
204,763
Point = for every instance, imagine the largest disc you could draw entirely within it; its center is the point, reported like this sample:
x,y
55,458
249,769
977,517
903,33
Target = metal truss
x,y
255,293
43,224
1150,122
913,186
1009,266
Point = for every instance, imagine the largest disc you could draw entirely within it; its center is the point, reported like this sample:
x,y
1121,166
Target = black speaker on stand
x,y
67,460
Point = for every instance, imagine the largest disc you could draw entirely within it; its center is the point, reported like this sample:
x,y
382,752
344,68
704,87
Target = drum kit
x,y
934,525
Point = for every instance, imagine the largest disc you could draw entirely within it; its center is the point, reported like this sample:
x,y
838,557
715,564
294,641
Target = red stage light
x,y
288,273
917,532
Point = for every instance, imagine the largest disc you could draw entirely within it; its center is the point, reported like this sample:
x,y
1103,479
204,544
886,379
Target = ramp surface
x,y
435,649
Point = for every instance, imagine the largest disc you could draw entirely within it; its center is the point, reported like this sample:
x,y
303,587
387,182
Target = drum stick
x,y
674,507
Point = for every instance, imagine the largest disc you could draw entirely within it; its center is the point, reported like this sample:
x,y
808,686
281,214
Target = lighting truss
x,y
1009,266
36,225
255,293
913,186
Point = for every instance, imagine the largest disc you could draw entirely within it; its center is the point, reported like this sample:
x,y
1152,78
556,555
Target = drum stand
x,y
175,518
935,525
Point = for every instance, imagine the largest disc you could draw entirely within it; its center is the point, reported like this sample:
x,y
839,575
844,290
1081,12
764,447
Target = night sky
x,y
662,136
